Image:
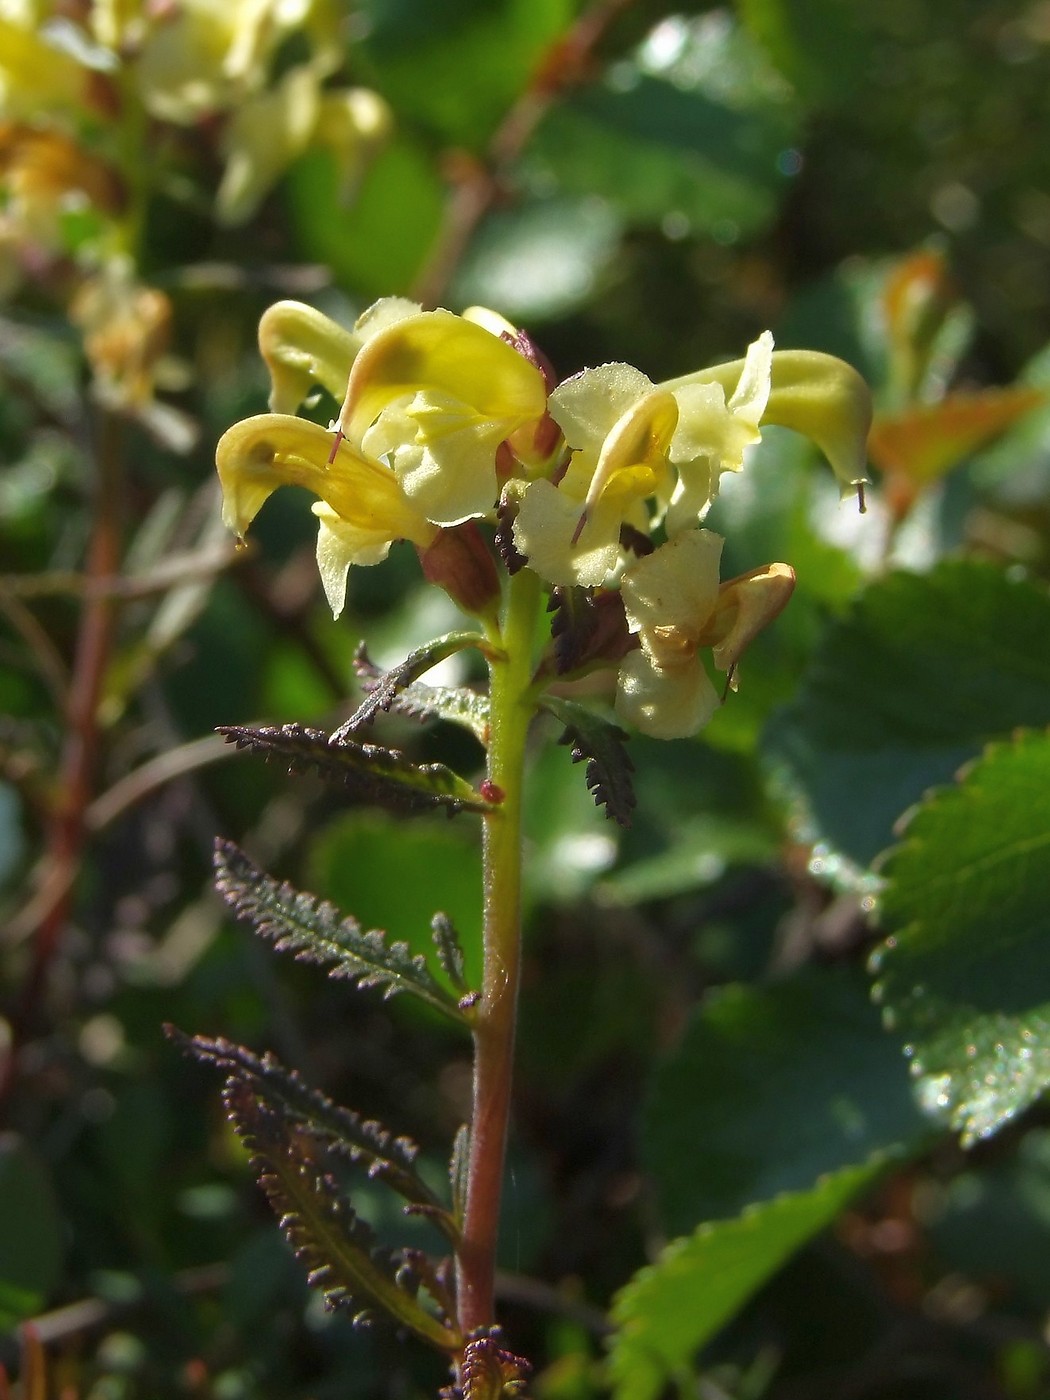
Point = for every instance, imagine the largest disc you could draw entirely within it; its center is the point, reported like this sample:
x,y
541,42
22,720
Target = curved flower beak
x,y
303,348
815,394
362,507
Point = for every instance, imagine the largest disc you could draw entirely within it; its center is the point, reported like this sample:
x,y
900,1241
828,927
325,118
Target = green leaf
x,y
698,1283
964,978
316,932
453,704
337,1248
698,852
31,1232
923,671
368,772
601,744
364,1142
771,1089
384,687
687,134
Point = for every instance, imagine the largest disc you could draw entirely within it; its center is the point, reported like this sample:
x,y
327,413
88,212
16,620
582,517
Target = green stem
x,y
512,705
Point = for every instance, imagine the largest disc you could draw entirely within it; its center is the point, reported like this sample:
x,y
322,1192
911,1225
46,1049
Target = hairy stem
x,y
512,705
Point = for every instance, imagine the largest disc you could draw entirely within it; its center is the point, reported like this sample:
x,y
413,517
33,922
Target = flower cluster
x,y
101,104
599,484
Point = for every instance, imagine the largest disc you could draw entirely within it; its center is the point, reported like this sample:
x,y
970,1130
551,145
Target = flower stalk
x,y
512,705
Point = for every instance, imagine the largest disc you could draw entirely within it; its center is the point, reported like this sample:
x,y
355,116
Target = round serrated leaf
x,y
964,977
671,1308
771,1088
923,671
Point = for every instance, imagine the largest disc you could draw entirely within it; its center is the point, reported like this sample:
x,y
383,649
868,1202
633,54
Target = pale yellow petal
x,y
587,406
676,586
259,454
543,531
443,354
746,606
665,704
339,545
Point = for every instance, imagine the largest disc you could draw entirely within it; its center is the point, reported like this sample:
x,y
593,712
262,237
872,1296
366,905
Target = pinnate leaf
x,y
384,686
418,700
698,1283
964,977
315,931
364,1142
601,745
381,776
334,1244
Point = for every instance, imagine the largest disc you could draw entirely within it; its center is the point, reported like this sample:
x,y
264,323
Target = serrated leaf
x,y
964,978
315,931
334,1244
670,1309
771,1089
601,744
920,674
373,774
454,704
384,686
364,1142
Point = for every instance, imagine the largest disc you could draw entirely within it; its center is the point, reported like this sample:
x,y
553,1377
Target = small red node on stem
x,y
491,792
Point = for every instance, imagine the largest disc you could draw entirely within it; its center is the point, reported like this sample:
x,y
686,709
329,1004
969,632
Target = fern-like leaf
x,y
316,932
384,688
420,701
601,745
364,1142
338,1249
368,772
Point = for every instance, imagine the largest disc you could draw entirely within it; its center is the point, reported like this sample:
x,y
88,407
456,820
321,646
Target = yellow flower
x,y
645,453
362,508
817,395
436,395
203,57
674,602
635,442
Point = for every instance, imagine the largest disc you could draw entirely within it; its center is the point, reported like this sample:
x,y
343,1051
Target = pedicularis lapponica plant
x,y
565,521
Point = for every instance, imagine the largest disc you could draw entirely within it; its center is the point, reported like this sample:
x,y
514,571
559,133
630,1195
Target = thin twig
x,y
189,566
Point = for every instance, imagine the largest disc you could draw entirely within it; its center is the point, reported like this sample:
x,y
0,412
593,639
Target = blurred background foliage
x,y
630,181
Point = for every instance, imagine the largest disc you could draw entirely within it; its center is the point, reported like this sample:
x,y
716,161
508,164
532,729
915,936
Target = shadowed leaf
x,y
601,744
315,932
454,704
373,774
362,1141
334,1244
383,687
